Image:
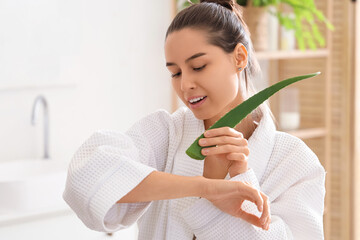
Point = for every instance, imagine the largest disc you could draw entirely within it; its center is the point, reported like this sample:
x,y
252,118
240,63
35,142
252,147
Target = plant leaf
x,y
237,114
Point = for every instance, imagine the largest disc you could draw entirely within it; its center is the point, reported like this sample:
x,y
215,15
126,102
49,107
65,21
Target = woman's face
x,y
199,69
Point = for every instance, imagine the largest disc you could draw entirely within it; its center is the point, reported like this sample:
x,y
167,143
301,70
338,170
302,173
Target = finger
x,y
248,217
253,195
223,140
266,213
220,149
240,157
268,223
223,131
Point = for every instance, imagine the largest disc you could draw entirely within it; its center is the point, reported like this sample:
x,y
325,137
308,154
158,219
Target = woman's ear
x,y
240,55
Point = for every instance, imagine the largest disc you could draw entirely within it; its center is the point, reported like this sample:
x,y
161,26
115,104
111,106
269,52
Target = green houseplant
x,y
303,18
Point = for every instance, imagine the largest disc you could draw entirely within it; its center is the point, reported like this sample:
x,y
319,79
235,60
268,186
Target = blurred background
x,y
69,68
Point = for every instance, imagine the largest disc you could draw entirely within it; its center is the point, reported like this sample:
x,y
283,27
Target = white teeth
x,y
196,99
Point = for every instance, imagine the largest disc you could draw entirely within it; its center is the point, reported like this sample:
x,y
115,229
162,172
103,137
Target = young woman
x,y
144,175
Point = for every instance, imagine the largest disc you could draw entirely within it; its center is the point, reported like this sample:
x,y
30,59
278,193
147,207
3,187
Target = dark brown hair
x,y
224,27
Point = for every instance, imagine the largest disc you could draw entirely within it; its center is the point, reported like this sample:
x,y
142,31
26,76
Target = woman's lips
x,y
198,104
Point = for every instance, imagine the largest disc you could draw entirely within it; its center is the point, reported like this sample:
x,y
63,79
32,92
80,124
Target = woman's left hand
x,y
229,155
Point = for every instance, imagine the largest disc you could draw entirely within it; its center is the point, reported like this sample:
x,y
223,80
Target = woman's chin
x,y
201,116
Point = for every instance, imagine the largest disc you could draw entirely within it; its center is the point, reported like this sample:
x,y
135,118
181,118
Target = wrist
x,y
233,174
202,186
236,169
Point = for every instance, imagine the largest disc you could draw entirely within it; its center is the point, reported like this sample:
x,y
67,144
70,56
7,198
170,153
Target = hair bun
x,y
229,4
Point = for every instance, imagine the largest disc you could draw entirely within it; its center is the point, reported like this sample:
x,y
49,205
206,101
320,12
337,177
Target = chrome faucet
x,y
41,99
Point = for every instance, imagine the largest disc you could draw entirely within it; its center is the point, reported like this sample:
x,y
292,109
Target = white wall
x,y
109,54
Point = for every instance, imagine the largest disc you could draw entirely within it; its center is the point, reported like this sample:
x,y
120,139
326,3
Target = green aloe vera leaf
x,y
233,117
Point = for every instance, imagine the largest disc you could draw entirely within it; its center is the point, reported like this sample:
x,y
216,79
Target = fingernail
x,y
205,151
202,141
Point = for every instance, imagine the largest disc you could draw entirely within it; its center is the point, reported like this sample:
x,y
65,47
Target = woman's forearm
x,y
160,185
226,195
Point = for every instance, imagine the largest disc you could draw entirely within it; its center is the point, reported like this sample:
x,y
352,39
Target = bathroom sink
x,y
31,184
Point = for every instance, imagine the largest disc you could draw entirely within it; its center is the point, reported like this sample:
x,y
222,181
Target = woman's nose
x,y
187,83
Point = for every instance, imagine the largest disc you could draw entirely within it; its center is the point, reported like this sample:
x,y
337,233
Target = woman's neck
x,y
246,126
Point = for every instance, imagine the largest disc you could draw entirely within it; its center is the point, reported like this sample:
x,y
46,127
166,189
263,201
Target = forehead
x,y
183,43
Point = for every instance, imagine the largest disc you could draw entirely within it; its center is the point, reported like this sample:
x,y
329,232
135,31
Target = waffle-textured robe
x,y
109,164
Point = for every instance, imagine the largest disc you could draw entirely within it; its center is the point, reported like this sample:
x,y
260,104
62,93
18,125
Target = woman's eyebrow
x,y
190,58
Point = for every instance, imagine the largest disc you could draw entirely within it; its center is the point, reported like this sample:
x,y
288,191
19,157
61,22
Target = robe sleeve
x,y
296,191
109,165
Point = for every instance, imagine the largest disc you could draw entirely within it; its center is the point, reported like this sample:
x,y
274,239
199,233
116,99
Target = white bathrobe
x,y
110,164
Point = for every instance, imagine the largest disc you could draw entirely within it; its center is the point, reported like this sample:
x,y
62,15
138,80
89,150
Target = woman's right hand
x,y
228,196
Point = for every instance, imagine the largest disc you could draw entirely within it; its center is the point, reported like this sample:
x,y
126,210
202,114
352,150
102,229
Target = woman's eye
x,y
196,69
174,75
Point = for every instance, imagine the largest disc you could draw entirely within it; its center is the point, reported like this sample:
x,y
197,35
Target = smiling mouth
x,y
198,103
199,100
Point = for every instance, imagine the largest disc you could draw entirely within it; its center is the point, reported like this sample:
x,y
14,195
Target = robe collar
x,y
261,142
